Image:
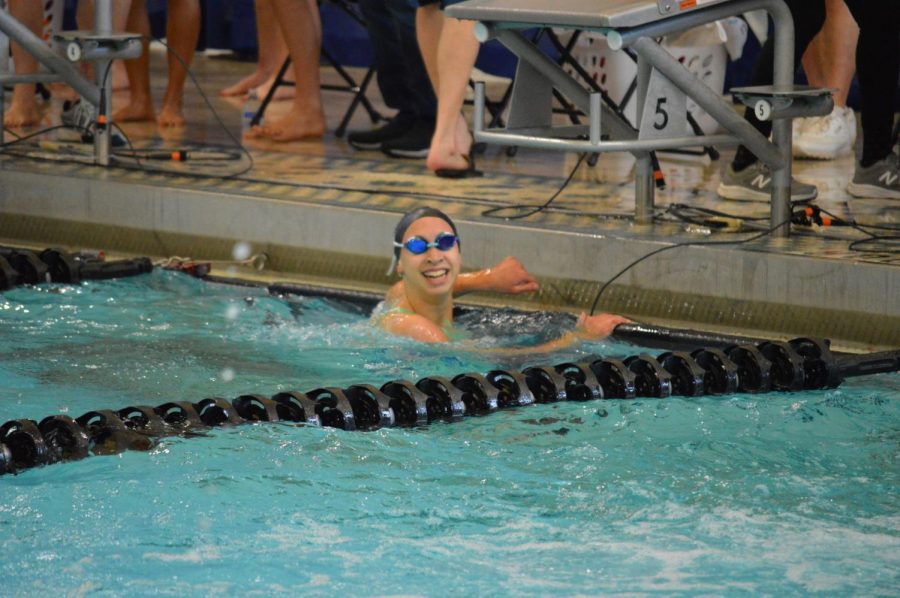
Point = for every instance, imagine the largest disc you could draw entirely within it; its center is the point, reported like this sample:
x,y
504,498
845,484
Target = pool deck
x,y
324,213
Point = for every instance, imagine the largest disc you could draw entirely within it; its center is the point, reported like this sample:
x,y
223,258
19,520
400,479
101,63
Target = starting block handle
x,y
765,109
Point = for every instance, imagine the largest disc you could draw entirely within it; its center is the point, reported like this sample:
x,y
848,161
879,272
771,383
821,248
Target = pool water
x,y
756,494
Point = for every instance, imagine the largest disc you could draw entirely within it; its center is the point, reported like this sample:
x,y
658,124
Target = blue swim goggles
x,y
418,245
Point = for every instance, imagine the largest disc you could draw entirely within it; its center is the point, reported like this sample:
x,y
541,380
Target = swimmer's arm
x,y
415,327
587,328
507,276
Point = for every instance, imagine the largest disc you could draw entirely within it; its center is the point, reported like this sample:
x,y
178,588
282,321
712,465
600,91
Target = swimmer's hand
x,y
594,328
510,276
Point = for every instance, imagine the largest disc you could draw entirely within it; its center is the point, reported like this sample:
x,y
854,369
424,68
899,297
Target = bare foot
x,y
244,85
136,111
22,113
284,92
255,132
450,151
294,126
171,116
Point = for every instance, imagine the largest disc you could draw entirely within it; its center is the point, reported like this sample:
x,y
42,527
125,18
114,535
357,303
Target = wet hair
x,y
406,222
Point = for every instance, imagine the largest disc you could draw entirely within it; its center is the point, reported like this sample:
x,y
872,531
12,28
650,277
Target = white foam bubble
x,y
241,251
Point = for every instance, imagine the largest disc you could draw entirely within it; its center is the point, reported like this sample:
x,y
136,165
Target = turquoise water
x,y
777,494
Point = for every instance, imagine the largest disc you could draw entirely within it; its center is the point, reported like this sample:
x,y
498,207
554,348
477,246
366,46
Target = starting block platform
x,y
663,86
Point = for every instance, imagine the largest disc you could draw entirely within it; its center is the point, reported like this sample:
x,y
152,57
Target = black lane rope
x,y
799,364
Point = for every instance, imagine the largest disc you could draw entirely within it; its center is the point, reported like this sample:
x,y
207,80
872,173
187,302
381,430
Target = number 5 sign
x,y
665,110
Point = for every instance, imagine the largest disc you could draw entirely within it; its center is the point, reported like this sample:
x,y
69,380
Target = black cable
x,y
892,244
534,208
677,245
30,136
215,114
11,132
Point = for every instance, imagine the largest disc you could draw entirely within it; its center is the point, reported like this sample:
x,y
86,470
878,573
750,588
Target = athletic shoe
x,y
797,126
373,140
881,179
81,115
826,137
412,144
755,183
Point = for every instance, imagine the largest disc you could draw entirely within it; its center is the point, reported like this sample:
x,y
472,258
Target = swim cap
x,y
406,222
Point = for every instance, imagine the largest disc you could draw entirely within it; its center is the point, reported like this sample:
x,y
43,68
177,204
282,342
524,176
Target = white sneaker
x,y
797,126
826,137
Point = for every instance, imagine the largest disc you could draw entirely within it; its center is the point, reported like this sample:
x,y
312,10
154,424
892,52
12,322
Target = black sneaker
x,y
412,144
373,140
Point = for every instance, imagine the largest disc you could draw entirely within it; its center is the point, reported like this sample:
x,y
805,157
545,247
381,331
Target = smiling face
x,y
433,272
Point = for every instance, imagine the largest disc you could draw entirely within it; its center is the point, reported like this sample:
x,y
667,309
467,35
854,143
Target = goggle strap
x,y
393,265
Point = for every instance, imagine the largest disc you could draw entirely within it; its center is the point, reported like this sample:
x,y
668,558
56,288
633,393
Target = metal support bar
x,y
643,170
35,46
700,15
707,99
103,79
560,79
13,79
478,108
537,139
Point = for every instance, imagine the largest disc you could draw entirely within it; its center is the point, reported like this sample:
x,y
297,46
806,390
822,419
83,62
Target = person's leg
x,y
272,51
402,80
85,19
808,20
23,109
829,62
423,98
299,21
457,51
429,25
878,62
140,103
838,61
182,32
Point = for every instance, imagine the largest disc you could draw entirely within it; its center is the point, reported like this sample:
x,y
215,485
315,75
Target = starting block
x,y
663,85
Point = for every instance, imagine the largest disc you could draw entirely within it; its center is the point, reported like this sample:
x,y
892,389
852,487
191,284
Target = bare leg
x,y
449,64
272,51
182,32
120,11
85,19
140,106
830,60
299,21
282,93
23,110
429,24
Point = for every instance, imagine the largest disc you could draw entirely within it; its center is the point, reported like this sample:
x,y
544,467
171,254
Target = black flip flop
x,y
460,173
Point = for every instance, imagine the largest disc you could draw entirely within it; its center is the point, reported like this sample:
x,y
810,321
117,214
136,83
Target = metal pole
x,y
781,128
103,78
478,112
643,171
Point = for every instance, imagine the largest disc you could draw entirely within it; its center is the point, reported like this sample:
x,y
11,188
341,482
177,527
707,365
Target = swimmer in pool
x,y
428,260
